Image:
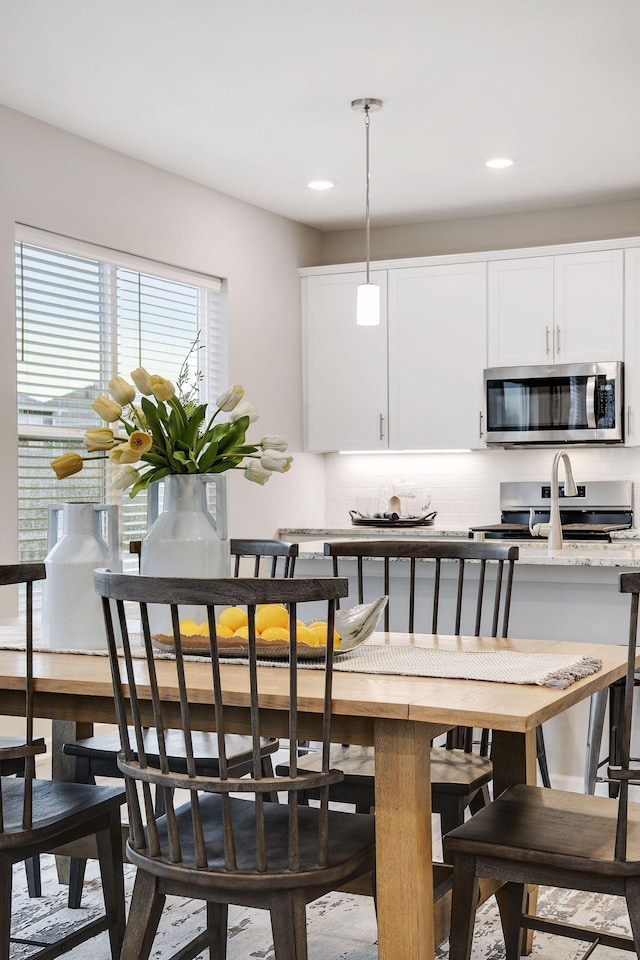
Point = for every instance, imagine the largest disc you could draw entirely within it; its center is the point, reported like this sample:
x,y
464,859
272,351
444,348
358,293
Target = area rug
x,y
340,926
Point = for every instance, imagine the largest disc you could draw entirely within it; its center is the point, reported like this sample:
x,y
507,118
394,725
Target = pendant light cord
x,y
367,243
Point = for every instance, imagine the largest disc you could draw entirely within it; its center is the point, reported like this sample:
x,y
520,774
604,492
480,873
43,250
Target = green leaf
x,y
228,463
208,458
235,435
146,479
195,421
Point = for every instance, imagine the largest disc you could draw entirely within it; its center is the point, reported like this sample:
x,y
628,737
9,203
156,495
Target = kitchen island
x,y
573,596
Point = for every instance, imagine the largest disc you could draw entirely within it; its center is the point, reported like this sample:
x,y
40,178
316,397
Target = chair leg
x,y
511,904
480,799
111,873
144,916
463,907
78,866
541,755
77,869
32,870
597,709
451,816
217,919
289,926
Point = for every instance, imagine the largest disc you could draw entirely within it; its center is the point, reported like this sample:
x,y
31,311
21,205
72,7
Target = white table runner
x,y
555,670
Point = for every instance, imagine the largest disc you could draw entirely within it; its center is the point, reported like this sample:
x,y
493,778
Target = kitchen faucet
x,y
553,529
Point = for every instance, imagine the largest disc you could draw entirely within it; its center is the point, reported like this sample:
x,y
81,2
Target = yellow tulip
x,y
123,454
140,442
121,391
107,409
141,379
99,438
162,389
66,465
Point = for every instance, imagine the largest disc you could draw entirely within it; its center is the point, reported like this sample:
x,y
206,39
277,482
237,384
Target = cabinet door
x,y
437,352
345,366
588,306
632,346
520,312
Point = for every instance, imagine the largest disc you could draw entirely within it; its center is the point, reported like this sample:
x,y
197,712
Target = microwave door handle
x,y
591,402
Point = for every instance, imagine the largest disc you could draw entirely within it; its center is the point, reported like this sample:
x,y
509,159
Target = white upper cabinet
x,y
589,306
520,312
437,352
556,309
345,366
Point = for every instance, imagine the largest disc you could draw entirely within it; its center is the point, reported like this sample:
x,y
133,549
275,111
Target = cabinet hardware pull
x,y
480,426
381,427
546,338
557,339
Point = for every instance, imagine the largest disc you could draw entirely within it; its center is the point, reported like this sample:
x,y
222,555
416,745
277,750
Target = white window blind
x,y
84,314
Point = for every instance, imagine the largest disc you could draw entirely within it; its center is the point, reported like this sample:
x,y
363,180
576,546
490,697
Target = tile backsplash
x,y
464,487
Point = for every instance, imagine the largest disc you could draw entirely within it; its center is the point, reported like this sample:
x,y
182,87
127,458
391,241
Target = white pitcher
x,y
72,611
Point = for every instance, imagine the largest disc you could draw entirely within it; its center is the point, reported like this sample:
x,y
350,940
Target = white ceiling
x,y
252,97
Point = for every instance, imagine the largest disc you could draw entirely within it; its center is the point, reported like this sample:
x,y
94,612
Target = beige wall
x,y
604,221
68,185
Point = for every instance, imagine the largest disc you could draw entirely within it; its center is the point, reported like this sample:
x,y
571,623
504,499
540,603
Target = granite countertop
x,y
623,554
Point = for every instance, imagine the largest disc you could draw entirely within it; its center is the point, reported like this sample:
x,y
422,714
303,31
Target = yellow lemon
x,y
272,615
242,632
233,617
275,633
223,631
189,628
320,628
305,635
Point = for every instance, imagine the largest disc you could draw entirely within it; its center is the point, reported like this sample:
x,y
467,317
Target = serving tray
x,y
360,521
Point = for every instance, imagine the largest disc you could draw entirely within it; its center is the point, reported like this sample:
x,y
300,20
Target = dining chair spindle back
x,y
39,816
228,843
482,573
97,756
568,840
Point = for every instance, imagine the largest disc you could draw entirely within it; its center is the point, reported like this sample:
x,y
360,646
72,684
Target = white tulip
x,y
245,410
276,462
253,471
274,443
230,399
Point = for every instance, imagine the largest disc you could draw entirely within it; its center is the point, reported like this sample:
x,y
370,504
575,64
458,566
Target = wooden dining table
x,y
397,715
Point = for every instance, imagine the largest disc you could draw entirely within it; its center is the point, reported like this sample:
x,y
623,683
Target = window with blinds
x,y
85,314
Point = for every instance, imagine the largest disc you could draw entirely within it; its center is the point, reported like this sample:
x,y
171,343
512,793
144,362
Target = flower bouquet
x,y
169,432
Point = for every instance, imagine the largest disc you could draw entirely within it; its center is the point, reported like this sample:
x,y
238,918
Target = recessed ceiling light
x,y
499,163
321,184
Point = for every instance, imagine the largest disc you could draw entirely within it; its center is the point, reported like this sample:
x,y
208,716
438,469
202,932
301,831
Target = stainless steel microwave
x,y
564,403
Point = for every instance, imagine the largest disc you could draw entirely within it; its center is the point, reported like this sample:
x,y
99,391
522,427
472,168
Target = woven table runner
x,y
500,666
556,670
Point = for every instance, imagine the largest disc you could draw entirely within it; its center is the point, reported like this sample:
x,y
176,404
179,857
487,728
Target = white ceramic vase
x,y
72,611
186,539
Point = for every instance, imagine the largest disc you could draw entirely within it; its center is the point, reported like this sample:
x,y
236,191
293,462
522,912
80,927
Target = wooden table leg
x,y
404,877
514,761
64,768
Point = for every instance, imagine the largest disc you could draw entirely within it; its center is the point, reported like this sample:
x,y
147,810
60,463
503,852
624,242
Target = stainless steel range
x,y
601,507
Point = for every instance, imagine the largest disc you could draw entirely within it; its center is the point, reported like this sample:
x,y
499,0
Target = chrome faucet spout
x,y
570,490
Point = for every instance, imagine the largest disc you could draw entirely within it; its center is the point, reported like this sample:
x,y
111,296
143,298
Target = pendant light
x,y
368,297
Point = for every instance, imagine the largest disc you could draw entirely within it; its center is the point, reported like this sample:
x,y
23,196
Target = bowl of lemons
x,y
273,636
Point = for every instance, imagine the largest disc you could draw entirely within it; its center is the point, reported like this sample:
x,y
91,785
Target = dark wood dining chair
x,y
40,816
568,840
227,843
98,756
460,775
